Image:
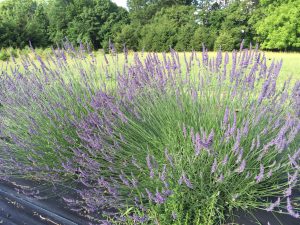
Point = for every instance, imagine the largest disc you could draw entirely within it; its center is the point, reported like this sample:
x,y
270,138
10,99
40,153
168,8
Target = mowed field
x,y
291,64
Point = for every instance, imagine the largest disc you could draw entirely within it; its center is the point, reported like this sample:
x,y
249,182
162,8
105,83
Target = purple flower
x,y
159,198
296,155
241,167
257,142
290,209
210,138
214,166
288,192
169,157
197,144
139,219
184,179
239,158
293,179
252,145
237,143
246,128
260,176
123,179
273,205
225,160
150,195
148,159
163,174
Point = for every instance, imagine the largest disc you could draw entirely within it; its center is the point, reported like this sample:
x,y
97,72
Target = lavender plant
x,y
164,139
182,148
42,100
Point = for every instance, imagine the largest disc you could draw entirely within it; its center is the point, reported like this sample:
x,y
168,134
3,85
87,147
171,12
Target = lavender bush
x,y
161,139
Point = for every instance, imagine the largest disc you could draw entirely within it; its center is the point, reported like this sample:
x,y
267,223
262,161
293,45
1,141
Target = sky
x,y
121,3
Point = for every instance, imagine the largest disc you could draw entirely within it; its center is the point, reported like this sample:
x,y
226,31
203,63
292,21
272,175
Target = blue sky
x,y
121,2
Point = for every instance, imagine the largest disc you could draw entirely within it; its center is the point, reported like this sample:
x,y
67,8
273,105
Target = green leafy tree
x,y
143,11
225,41
171,27
278,26
92,21
128,36
22,21
204,35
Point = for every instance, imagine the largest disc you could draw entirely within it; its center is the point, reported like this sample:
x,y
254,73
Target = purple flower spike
x,y
225,160
163,174
260,176
159,198
184,179
226,117
150,166
169,157
290,209
197,144
214,166
241,167
150,195
273,205
288,192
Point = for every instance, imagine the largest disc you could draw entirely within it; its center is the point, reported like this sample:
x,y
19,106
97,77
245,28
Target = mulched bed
x,y
19,209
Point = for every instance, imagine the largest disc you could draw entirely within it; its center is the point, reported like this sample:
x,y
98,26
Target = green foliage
x,y
129,35
171,27
154,25
225,41
4,55
280,28
143,11
22,21
203,35
85,21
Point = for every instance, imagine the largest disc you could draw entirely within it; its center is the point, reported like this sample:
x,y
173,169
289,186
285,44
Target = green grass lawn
x,y
291,64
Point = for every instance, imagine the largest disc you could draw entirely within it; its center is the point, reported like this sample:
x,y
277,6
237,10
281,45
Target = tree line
x,y
152,25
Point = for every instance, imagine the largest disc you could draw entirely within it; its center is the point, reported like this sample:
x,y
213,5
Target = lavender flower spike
x,y
260,176
290,209
159,199
184,179
241,167
273,205
214,166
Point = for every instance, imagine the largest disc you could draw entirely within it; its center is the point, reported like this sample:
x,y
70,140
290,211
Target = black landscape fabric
x,y
18,209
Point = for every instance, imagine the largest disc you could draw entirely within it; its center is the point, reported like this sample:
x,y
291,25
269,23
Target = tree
x,y
90,21
279,27
171,27
128,36
143,10
204,35
22,21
